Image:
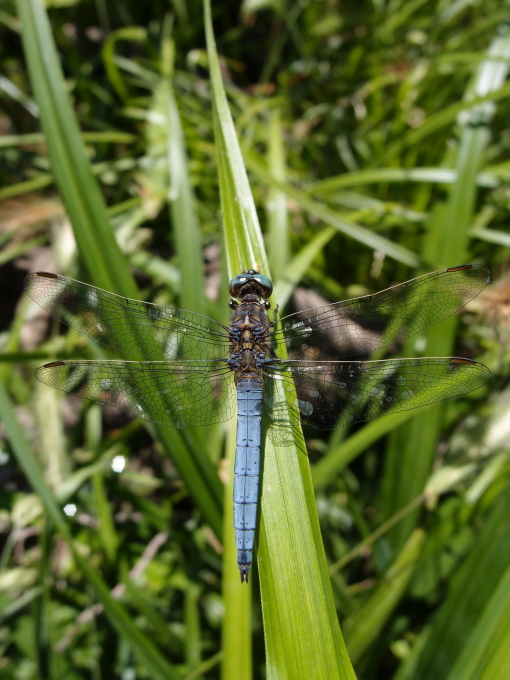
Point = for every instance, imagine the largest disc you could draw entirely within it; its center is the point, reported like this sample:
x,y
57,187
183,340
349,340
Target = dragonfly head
x,y
250,282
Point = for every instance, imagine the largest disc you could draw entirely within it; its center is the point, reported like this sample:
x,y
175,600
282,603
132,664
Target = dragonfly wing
x,y
131,326
335,394
177,394
364,324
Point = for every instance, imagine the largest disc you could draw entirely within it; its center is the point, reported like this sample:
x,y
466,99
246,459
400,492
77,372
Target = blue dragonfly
x,y
211,371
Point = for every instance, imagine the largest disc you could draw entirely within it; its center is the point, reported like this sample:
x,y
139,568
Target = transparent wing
x,y
364,324
131,326
340,393
177,394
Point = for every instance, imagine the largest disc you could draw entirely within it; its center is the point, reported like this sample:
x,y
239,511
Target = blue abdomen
x,y
247,469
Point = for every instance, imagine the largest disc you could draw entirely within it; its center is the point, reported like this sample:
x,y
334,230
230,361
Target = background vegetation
x,y
376,141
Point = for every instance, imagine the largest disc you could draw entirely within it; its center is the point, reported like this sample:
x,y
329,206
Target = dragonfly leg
x,y
262,361
234,363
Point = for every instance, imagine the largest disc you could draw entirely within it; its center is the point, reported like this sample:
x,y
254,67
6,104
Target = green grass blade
x,y
491,236
110,136
106,266
486,654
437,175
186,228
276,204
363,627
300,264
447,117
335,219
131,33
182,206
26,187
412,449
236,628
340,456
71,168
302,634
242,232
457,639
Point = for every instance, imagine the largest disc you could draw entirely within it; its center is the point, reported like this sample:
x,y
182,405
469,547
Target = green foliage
x,y
375,141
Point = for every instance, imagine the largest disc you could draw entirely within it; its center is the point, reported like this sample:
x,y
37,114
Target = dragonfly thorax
x,y
249,342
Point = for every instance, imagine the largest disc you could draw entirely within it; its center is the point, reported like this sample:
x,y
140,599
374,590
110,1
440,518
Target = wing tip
x,y
462,360
52,364
481,368
29,284
476,267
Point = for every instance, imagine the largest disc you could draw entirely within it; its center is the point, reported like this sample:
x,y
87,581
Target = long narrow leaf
x,y
71,168
344,226
106,266
446,243
302,634
362,628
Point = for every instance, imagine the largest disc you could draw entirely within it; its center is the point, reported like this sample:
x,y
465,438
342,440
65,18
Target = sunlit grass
x,y
368,164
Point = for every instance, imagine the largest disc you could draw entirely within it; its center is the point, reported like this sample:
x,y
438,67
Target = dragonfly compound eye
x,y
253,282
264,285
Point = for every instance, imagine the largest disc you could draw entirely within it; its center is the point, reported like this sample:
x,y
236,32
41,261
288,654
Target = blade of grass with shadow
x,y
276,203
302,634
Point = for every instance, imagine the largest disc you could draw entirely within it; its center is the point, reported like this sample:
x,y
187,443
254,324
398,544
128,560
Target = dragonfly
x,y
196,371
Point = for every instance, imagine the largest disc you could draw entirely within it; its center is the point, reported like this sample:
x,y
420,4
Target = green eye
x,y
260,283
265,283
236,283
